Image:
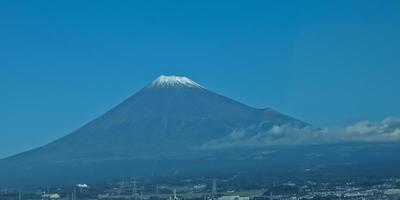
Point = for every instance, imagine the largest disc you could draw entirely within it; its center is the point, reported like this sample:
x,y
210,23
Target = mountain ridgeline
x,y
160,130
170,115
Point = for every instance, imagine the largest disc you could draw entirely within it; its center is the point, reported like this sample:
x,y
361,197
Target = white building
x,y
51,196
234,197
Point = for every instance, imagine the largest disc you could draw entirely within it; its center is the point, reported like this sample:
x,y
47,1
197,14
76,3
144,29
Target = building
x,y
234,197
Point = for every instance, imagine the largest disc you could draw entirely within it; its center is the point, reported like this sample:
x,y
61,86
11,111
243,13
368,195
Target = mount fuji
x,y
168,118
169,114
160,130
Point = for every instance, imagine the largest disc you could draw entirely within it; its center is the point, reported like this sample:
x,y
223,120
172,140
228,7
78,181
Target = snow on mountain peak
x,y
174,81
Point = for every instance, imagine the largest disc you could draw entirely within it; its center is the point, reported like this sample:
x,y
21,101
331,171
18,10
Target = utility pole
x,y
156,188
214,190
119,191
134,191
175,198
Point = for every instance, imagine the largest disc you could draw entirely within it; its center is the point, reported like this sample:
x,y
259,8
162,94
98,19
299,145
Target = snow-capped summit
x,y
174,81
172,118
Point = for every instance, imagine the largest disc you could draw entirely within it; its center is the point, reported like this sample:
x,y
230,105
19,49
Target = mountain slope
x,y
169,118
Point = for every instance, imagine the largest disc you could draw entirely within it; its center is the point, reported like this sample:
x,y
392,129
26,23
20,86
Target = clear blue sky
x,y
62,63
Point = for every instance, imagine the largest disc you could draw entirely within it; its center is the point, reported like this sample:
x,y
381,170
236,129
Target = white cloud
x,y
367,131
385,130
